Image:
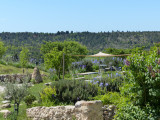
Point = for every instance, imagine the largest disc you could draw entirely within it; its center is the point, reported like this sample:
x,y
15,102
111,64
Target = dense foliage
x,y
142,81
55,52
71,91
47,96
2,49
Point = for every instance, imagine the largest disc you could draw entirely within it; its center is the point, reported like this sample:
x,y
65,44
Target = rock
x,y
7,105
8,97
36,75
47,84
30,84
5,113
5,101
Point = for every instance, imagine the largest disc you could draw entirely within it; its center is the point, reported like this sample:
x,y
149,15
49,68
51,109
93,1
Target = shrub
x,y
71,91
48,96
29,99
83,66
132,112
111,82
88,65
143,72
53,77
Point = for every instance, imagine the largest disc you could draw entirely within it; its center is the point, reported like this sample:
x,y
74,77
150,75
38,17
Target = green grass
x,y
7,69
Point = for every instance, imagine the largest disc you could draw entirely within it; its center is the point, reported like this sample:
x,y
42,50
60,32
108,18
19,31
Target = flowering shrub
x,y
144,73
111,82
142,81
83,66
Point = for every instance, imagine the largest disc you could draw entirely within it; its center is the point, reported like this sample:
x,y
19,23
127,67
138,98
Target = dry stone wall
x,y
83,110
14,78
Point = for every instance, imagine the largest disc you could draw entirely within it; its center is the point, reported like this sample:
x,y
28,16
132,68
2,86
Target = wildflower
x,y
97,81
108,75
101,84
106,84
158,52
153,74
117,74
158,61
83,67
51,70
77,98
53,96
150,68
127,62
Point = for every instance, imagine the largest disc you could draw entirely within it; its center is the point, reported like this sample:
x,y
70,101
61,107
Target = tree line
x,y
93,41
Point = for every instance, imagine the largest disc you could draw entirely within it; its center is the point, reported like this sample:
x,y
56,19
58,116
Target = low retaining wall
x,y
83,110
15,78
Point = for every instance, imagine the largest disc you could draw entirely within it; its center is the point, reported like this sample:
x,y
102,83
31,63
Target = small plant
x,y
29,99
33,81
48,96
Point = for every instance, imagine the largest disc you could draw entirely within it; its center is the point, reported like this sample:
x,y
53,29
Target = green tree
x,y
17,93
24,54
53,54
2,49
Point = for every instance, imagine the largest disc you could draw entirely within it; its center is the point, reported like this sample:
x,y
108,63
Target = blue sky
x,y
79,15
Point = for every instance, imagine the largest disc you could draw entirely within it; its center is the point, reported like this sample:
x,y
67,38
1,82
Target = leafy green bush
x,y
141,85
88,65
48,96
109,98
142,70
29,99
95,67
53,77
132,112
71,91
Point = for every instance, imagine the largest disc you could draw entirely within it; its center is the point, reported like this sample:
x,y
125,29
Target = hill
x,y
94,41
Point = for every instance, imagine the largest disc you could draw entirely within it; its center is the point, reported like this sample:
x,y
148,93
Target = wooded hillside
x,y
94,41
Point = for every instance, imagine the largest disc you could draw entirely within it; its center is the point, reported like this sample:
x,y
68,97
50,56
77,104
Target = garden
x,y
132,83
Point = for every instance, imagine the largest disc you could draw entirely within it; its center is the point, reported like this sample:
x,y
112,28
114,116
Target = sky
x,y
50,16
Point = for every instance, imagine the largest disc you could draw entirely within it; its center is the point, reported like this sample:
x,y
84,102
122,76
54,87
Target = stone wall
x,y
14,78
83,110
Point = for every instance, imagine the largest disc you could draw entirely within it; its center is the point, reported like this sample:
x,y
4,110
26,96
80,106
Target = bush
x,y
109,98
83,66
29,99
95,67
71,91
48,96
111,82
53,77
132,112
143,72
88,65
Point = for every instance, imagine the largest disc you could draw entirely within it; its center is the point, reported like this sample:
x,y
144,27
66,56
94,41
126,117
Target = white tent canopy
x,y
100,54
